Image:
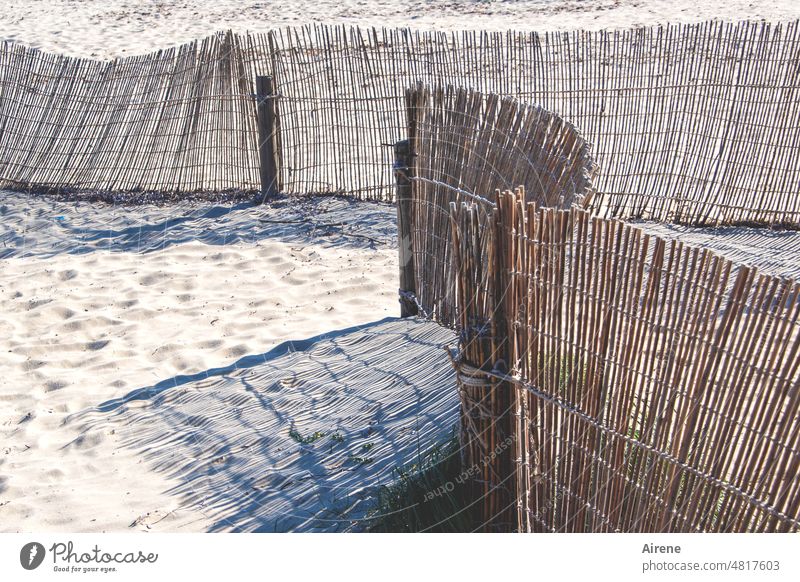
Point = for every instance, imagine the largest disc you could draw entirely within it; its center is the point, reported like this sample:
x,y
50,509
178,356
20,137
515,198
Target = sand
x,y
772,252
109,28
100,303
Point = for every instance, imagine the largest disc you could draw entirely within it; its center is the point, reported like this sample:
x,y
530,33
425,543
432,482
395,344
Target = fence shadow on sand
x,y
297,438
45,227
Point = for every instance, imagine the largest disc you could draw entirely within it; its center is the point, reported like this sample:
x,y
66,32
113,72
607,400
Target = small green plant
x,y
305,440
359,460
367,446
565,374
430,495
336,439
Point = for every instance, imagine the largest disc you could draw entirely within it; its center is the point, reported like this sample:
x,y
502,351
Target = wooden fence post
x,y
481,261
267,137
403,164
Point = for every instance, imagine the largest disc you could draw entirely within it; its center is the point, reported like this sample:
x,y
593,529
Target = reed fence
x,y
180,120
465,145
697,123
642,385
610,380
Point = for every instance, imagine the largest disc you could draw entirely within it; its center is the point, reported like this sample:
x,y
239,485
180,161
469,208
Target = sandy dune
x,y
295,439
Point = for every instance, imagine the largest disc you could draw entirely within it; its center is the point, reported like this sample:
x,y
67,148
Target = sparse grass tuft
x,y
305,440
430,495
359,460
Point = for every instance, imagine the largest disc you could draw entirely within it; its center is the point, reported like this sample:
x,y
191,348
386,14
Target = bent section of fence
x,y
465,146
691,123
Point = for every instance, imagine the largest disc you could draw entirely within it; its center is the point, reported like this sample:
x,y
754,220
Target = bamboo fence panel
x,y
179,120
696,124
466,146
610,380
650,386
690,123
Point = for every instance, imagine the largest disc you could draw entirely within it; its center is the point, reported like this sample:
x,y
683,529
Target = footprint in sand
x,y
210,344
31,365
67,275
35,303
152,279
86,441
97,345
76,325
236,351
63,312
54,385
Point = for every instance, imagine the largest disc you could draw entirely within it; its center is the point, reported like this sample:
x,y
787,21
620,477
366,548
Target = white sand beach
x,y
112,316
227,368
109,28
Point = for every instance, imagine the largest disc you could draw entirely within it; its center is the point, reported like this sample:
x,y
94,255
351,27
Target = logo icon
x,y
31,555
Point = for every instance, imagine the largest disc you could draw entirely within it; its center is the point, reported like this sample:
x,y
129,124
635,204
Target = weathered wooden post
x,y
267,136
403,165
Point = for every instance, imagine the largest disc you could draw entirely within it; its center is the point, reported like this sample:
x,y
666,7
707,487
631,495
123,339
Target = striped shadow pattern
x,y
298,438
